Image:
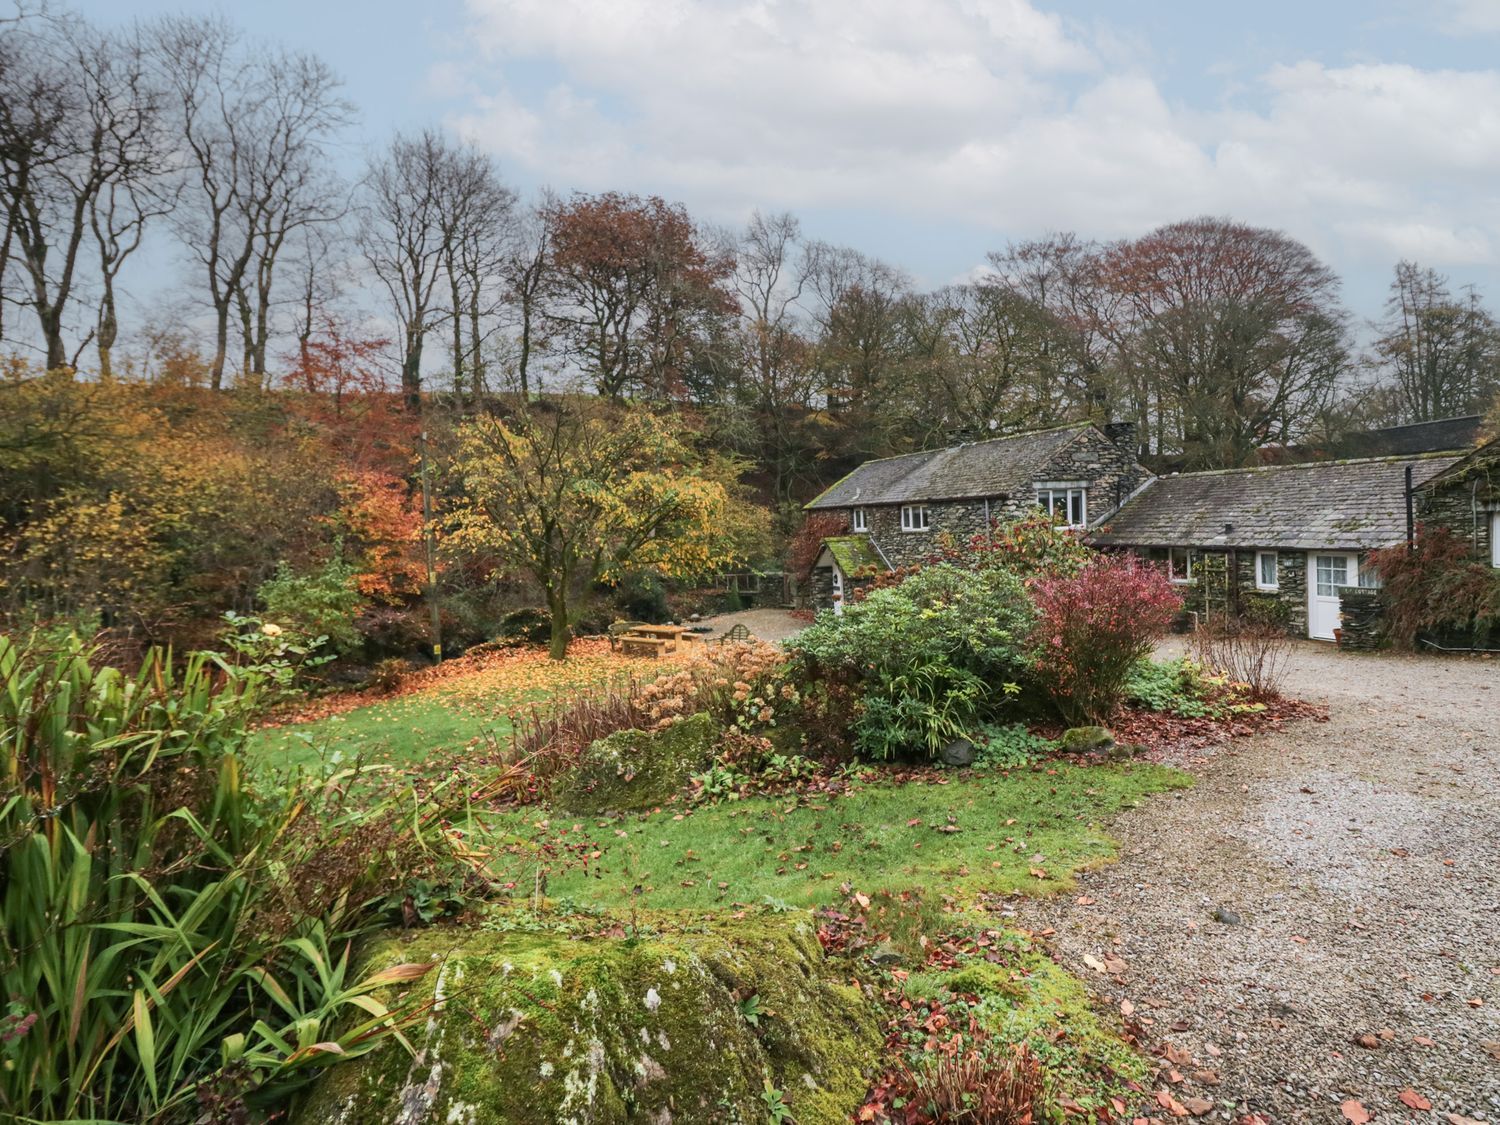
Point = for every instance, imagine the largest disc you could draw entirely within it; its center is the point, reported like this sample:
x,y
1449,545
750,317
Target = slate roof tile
x,y
1351,505
1001,466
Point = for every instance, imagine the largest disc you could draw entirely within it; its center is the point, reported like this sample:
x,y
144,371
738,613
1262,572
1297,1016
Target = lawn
x,y
444,711
959,835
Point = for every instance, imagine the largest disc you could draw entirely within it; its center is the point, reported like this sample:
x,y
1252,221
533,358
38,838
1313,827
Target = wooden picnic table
x,y
662,638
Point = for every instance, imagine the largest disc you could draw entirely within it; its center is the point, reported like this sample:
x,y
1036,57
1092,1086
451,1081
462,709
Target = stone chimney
x,y
1126,437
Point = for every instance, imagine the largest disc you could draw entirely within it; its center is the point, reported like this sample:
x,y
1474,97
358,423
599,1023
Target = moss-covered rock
x,y
541,1028
1082,740
636,769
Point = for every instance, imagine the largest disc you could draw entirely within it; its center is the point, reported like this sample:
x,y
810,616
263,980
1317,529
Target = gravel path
x,y
765,624
1358,863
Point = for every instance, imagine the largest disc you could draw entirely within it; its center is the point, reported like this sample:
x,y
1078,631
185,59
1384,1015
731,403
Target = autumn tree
x,y
1439,350
636,289
573,492
1234,331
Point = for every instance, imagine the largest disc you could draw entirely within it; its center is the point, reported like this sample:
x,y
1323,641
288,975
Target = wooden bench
x,y
736,634
632,644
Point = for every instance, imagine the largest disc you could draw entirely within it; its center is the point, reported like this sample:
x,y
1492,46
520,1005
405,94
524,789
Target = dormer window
x,y
1067,504
914,517
860,520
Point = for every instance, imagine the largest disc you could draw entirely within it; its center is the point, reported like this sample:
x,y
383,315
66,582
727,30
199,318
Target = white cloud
x,y
1466,16
988,113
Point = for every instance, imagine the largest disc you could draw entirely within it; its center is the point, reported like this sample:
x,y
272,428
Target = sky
x,y
928,132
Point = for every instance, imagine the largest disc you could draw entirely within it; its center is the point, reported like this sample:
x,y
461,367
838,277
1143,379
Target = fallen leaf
x,y
1414,1100
1491,1048
1367,1041
1354,1112
1093,962
1127,1008
1423,1041
1197,1106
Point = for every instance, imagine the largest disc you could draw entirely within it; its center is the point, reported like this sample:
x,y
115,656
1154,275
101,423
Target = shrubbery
x,y
174,944
1094,627
929,658
1437,587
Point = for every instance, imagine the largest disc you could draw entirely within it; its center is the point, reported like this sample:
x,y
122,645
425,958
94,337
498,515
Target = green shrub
x,y
324,603
1174,687
928,659
1010,747
169,938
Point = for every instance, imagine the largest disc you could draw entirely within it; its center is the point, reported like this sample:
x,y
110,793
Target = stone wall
x,y
949,521
1360,617
1110,470
1212,593
1464,506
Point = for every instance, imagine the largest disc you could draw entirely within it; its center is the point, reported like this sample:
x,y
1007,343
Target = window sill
x,y
1268,589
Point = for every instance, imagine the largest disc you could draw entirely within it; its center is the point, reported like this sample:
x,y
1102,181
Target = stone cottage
x,y
1465,498
902,510
1297,535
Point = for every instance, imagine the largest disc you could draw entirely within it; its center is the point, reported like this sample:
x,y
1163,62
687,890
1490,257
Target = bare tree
x,y
253,130
476,213
78,119
1440,350
402,230
523,269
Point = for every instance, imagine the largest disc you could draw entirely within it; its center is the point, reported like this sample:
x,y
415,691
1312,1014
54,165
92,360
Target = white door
x,y
838,590
1325,574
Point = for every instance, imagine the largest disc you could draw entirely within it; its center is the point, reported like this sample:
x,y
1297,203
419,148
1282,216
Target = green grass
x,y
432,725
882,837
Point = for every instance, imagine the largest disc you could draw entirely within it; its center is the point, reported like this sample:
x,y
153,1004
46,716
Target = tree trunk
x,y
221,347
557,608
411,371
109,329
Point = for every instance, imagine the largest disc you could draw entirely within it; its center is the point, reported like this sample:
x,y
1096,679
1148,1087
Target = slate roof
x,y
999,467
855,554
1349,505
1444,435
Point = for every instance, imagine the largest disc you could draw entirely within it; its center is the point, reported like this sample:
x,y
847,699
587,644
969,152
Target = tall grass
x,y
173,946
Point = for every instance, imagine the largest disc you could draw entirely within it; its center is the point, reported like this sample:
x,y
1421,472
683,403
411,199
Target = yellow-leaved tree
x,y
574,491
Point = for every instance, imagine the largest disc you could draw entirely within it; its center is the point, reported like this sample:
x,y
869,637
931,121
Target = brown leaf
x,y
1414,1100
1206,1077
1354,1112
1127,1009
1093,962
1197,1106
1367,1041
1491,1048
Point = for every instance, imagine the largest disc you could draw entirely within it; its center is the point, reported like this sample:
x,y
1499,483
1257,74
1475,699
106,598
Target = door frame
x,y
838,590
1313,596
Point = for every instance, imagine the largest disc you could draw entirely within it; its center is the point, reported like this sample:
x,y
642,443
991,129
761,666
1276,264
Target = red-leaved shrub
x,y
1093,627
1436,586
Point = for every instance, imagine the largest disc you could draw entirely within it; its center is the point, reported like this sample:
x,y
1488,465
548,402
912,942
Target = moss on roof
x,y
855,554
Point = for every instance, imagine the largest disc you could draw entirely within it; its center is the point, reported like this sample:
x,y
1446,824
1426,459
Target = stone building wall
x,y
1211,591
955,521
1465,507
1108,467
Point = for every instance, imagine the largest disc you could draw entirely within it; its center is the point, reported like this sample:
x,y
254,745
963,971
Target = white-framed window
x,y
1179,564
1068,505
1369,577
1265,571
914,517
860,520
1495,539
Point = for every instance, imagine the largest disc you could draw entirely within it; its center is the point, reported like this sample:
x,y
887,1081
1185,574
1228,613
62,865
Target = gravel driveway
x,y
1357,866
